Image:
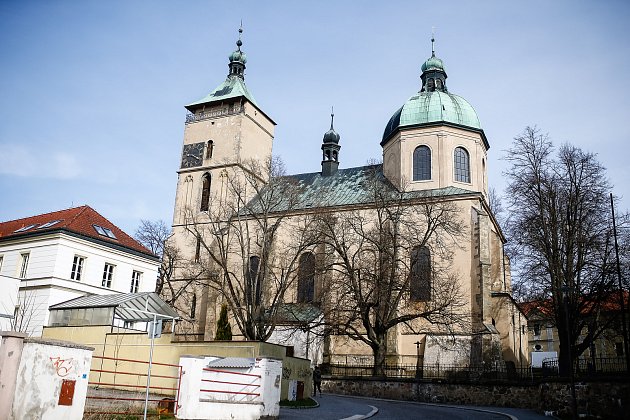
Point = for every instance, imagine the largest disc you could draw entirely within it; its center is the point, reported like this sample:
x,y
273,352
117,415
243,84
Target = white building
x,y
62,255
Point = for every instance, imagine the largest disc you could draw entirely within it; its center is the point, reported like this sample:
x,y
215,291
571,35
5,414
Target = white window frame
x,y
136,276
108,275
24,264
77,267
1,261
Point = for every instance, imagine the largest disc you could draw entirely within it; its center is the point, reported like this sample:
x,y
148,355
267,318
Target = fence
x,y
244,385
588,367
506,372
120,386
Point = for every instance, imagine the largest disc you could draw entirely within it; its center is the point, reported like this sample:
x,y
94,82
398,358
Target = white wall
x,y
48,279
42,369
8,299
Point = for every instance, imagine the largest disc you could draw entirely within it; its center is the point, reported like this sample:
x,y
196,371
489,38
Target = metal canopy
x,y
132,307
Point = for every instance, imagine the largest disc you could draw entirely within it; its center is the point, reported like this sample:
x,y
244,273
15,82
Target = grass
x,y
304,403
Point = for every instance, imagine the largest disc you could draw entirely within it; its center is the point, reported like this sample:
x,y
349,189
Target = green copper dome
x,y
238,55
433,107
432,63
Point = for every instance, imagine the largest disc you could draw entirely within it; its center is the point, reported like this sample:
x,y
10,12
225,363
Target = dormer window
x,y
103,231
48,224
25,228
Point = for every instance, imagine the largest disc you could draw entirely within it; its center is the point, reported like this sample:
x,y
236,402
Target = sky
x,y
92,93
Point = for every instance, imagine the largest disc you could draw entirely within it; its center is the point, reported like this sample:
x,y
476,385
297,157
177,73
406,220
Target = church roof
x,y
347,187
232,87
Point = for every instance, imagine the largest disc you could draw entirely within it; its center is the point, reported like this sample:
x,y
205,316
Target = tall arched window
x,y
205,192
420,276
306,278
209,149
253,288
193,306
462,165
421,163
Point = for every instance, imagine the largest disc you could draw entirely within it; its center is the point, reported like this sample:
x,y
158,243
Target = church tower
x,y
435,139
224,131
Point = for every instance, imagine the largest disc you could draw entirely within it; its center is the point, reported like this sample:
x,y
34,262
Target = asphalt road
x,y
336,407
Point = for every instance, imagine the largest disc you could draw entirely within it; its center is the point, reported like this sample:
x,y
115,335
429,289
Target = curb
x,y
362,416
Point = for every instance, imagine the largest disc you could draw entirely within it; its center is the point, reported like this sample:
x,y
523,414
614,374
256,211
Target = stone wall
x,y
610,399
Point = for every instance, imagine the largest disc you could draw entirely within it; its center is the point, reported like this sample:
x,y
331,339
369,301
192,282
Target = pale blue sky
x,y
92,92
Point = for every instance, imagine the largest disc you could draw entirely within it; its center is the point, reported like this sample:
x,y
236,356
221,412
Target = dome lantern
x,y
330,150
238,59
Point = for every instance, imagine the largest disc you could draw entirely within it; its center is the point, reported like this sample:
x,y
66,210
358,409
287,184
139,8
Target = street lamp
x,y
565,300
418,371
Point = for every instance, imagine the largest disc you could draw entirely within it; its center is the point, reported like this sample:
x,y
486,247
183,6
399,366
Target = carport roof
x,y
127,305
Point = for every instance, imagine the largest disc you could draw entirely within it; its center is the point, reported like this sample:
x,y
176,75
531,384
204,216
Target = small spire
x,y
332,116
433,41
240,31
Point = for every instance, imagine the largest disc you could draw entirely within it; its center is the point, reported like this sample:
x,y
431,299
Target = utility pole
x,y
622,297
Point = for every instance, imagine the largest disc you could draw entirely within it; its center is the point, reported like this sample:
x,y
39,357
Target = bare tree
x,y
561,227
390,265
153,235
250,243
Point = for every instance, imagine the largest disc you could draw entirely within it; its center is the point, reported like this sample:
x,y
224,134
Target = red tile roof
x,y
80,220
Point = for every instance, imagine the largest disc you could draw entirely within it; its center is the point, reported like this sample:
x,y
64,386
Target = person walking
x,y
317,381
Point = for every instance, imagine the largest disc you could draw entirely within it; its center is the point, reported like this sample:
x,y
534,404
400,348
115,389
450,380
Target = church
x,y
400,262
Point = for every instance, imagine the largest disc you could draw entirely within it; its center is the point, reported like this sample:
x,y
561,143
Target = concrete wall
x,y
610,400
123,344
42,379
228,397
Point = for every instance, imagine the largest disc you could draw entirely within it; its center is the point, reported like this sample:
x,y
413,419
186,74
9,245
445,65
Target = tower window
x,y
253,286
462,165
193,306
209,149
198,248
420,276
422,163
205,192
306,278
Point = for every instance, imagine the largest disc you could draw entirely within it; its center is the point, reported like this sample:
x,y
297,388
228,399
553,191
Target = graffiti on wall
x,y
62,366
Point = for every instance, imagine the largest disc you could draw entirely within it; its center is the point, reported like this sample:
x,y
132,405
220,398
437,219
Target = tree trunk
x,y
379,351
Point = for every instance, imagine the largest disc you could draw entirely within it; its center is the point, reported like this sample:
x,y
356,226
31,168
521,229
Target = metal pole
x,y
621,294
146,397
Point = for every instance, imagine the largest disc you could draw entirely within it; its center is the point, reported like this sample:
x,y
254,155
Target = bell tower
x,y
223,130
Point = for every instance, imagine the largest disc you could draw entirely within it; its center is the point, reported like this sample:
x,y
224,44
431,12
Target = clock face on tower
x,y
192,155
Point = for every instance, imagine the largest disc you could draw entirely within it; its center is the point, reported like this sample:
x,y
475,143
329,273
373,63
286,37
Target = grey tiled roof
x,y
348,187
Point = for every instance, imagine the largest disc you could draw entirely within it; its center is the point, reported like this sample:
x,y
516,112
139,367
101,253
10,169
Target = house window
x,y
462,165
422,163
205,192
536,330
108,274
420,279
77,268
306,278
24,265
135,281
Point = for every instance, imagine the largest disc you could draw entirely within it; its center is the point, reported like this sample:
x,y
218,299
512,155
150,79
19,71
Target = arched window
x,y
209,149
438,83
193,306
253,286
306,278
462,165
205,192
421,163
431,85
420,276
